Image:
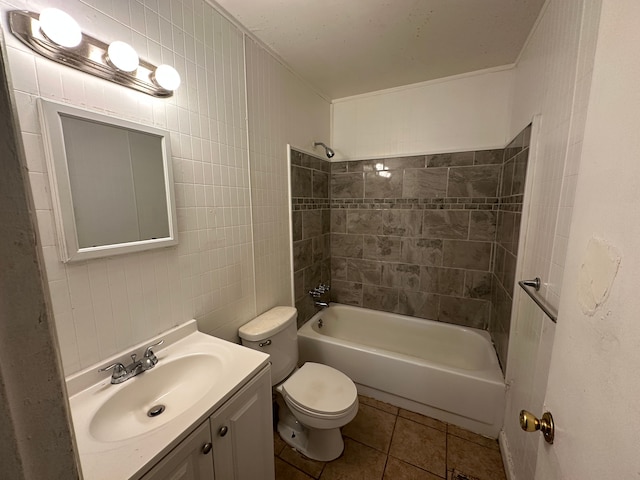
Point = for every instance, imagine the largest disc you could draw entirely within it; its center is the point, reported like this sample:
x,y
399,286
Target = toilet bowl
x,y
322,400
316,400
320,396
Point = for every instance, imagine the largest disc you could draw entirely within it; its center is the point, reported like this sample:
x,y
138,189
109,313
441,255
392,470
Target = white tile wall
x,y
282,110
103,306
552,78
447,115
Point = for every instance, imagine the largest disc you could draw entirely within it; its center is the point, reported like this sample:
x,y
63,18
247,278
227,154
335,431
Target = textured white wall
x,y
465,112
104,306
594,369
282,110
552,79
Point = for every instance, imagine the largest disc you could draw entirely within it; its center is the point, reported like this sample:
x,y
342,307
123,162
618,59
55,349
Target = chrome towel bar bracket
x,y
535,283
533,286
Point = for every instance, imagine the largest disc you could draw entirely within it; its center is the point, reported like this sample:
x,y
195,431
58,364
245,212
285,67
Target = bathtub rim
x,y
493,373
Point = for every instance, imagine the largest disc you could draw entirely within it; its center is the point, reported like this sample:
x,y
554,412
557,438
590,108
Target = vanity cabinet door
x,y
242,432
190,460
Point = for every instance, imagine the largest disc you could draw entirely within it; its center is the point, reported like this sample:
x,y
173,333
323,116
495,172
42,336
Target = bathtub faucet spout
x,y
322,304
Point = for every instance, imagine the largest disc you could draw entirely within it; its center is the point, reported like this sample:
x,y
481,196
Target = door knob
x,y
530,423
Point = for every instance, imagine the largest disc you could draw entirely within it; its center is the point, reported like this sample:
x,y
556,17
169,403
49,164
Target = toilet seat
x,y
320,391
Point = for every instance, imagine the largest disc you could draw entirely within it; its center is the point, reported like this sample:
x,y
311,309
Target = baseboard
x,y
506,456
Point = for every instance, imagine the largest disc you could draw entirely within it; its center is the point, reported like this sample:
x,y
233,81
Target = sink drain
x,y
155,410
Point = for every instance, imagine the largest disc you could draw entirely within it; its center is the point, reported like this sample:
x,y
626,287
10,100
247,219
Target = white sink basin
x,y
176,385
194,376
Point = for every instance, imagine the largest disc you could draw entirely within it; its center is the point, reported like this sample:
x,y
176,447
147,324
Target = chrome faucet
x,y
122,374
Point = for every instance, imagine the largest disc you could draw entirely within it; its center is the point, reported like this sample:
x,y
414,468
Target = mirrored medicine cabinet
x,y
111,183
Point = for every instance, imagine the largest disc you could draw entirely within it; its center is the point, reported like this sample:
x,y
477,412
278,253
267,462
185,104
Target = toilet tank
x,y
274,332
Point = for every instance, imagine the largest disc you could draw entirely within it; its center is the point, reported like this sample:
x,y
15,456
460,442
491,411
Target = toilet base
x,y
316,444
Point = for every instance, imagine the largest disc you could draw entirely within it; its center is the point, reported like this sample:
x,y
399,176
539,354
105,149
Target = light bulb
x,y
167,77
122,56
60,27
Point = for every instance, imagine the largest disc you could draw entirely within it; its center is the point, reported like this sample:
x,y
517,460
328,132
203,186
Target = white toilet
x,y
320,399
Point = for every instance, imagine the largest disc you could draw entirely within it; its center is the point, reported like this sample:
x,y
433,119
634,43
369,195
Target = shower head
x,y
328,150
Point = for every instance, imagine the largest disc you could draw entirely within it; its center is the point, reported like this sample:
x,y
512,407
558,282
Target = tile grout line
x,y
388,453
446,453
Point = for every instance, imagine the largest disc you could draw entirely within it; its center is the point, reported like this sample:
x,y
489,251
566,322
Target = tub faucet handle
x,y
319,290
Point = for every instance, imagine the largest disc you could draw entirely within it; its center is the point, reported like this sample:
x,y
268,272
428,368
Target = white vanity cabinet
x,y
235,443
190,460
242,432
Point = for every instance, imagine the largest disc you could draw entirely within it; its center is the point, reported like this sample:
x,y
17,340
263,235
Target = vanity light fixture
x,y
122,56
60,28
55,35
166,77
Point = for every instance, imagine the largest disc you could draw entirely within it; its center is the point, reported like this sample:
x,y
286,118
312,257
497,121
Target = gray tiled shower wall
x,y
512,183
414,235
311,229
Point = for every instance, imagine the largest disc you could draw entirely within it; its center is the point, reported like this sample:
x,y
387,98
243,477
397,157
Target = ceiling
x,y
349,47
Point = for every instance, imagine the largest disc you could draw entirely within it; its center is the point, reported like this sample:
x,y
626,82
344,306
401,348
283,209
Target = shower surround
x,y
414,235
430,236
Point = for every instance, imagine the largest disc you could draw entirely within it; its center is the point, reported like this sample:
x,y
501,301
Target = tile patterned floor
x,y
384,442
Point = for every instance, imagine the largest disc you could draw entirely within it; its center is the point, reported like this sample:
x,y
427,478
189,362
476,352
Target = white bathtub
x,y
444,371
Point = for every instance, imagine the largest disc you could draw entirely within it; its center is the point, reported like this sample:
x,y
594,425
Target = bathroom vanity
x,y
215,420
227,445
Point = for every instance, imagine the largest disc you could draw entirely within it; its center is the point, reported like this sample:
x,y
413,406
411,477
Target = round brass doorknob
x,y
530,423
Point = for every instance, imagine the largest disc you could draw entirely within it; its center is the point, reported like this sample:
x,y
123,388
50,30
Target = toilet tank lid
x,y
267,324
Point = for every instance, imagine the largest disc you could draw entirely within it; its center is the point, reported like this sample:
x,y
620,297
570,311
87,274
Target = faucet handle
x,y
117,367
119,371
148,353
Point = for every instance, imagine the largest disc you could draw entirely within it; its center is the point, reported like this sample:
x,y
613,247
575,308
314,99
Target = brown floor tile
x,y
372,427
399,470
308,466
424,420
419,445
278,443
284,471
372,402
358,462
473,437
473,459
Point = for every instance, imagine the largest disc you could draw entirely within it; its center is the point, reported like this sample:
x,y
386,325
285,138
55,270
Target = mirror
x,y
111,183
